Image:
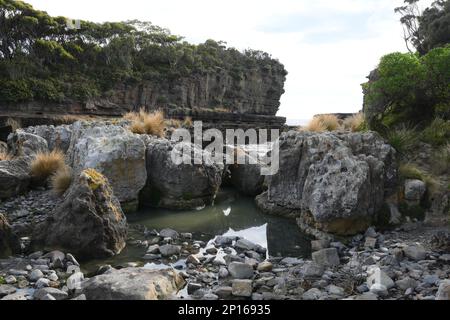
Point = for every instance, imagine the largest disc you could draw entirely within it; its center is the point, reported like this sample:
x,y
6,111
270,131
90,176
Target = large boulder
x,y
133,284
24,144
179,186
57,137
113,151
14,177
335,183
89,222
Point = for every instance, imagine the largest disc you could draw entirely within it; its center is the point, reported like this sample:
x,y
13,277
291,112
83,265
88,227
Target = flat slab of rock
x,y
242,288
133,284
239,270
415,252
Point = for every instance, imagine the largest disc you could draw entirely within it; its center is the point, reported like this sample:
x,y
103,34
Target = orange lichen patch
x,y
94,178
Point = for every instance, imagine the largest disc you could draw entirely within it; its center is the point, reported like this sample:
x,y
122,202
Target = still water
x,y
232,214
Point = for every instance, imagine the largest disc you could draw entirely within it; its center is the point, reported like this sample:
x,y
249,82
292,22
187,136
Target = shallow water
x,y
232,214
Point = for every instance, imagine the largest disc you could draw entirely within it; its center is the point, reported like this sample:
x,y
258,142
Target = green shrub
x,y
45,90
437,133
15,91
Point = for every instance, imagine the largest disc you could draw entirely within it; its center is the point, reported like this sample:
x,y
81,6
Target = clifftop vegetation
x,y
43,58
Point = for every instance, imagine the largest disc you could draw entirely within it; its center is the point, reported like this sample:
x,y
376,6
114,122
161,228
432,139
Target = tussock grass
x,y
143,122
45,164
61,180
321,123
354,123
403,139
187,122
437,133
14,123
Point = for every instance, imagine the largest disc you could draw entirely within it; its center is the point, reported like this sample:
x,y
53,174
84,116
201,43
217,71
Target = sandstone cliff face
x,y
258,91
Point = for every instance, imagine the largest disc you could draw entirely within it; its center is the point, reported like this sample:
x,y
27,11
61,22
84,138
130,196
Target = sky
x,y
327,46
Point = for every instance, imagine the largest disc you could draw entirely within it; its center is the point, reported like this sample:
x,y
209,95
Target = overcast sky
x,y
327,46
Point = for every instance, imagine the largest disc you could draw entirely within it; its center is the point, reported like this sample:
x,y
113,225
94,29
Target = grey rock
x,y
415,252
26,145
406,283
444,290
35,275
56,293
169,233
6,289
80,297
15,296
242,288
192,287
312,270
54,256
154,249
42,283
239,270
312,294
415,190
326,257
224,292
378,276
89,222
332,182
317,245
247,178
14,177
133,284
185,186
72,259
223,272
169,250
74,281
113,151
48,297
265,266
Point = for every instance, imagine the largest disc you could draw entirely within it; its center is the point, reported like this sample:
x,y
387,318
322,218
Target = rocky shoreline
x,y
371,266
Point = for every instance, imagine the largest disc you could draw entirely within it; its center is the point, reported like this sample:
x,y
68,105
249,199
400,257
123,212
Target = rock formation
x,y
184,186
89,222
334,183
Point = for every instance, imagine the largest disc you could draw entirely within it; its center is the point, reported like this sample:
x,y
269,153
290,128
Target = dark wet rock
x,y
239,270
14,177
183,186
89,222
326,257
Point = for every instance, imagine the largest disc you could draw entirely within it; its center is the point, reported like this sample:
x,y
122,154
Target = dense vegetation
x,y
411,91
43,58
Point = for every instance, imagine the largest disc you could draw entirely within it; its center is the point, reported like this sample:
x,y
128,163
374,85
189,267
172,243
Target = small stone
x,y
35,275
312,294
379,289
153,249
10,279
378,276
224,292
6,289
74,281
72,259
169,233
317,245
445,257
291,261
15,272
242,288
239,270
370,243
406,283
431,279
52,277
219,261
444,290
336,291
48,297
80,297
211,250
193,287
56,293
223,273
169,250
223,241
265,266
186,235
326,257
312,270
42,283
55,255
371,232
73,269
152,257
193,259
210,297
415,252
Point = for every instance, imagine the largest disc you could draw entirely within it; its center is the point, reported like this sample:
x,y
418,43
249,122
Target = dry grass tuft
x,y
354,123
46,164
321,123
61,180
147,123
15,124
187,122
4,156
